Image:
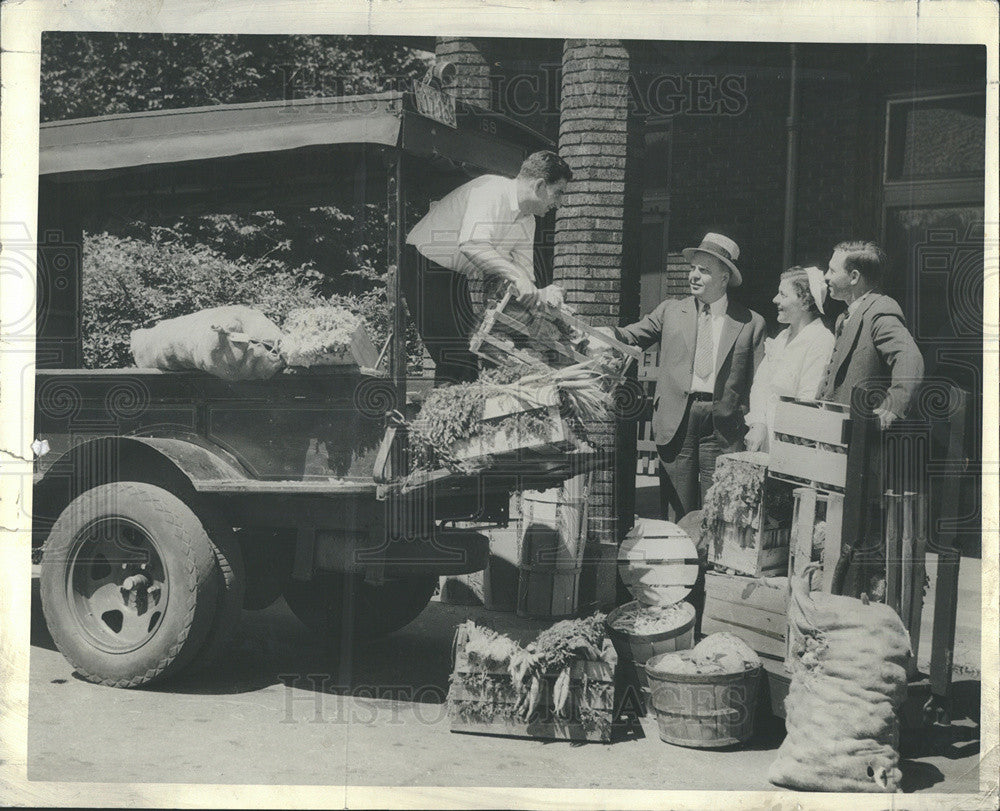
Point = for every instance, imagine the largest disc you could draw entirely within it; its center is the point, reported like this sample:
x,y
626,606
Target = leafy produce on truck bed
x,y
318,336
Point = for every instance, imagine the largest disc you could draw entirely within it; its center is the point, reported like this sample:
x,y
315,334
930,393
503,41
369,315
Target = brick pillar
x,y
597,243
472,83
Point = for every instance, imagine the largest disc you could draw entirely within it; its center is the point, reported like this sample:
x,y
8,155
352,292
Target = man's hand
x,y
551,296
885,417
756,438
526,293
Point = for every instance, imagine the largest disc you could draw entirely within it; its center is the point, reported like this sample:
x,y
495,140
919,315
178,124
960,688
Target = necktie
x,y
704,353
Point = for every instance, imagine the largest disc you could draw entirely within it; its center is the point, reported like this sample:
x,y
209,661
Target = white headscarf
x,y
817,286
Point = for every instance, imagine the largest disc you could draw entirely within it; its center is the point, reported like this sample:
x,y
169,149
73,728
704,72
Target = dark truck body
x,y
295,455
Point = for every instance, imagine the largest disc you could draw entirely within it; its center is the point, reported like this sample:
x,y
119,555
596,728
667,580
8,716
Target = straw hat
x,y
723,249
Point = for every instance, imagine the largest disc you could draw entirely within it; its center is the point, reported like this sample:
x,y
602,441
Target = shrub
x,y
153,273
129,283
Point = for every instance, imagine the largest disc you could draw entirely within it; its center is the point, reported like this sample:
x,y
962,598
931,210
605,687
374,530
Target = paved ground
x,y
281,710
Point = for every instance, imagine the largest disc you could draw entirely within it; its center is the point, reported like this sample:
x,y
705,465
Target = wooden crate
x,y
494,340
812,508
359,351
486,705
754,610
510,442
744,549
547,591
756,552
810,443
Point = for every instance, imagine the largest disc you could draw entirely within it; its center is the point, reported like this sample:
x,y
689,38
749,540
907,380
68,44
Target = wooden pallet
x,y
813,507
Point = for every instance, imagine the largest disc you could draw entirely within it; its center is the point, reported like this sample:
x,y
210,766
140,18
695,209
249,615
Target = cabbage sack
x,y
201,341
848,682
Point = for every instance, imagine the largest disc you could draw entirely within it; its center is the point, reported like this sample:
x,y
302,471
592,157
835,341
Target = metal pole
x,y
397,236
791,169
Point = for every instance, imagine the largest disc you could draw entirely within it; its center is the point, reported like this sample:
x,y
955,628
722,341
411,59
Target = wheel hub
x,y
117,585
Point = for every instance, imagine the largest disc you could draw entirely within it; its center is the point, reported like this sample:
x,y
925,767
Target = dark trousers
x,y
441,308
687,462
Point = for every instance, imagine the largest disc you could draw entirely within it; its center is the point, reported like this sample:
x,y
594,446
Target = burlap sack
x,y
848,681
193,342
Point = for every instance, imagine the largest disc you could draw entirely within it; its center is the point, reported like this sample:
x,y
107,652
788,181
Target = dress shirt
x,y
483,210
791,368
717,310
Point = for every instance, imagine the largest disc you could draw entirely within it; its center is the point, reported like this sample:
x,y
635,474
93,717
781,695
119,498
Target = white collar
x,y
717,308
812,326
512,191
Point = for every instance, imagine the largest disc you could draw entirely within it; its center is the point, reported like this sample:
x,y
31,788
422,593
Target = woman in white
x,y
794,361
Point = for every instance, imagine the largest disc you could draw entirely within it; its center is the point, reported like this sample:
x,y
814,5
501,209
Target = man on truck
x,y
469,248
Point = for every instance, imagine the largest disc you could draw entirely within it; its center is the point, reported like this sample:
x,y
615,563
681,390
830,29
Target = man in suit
x,y
873,343
710,347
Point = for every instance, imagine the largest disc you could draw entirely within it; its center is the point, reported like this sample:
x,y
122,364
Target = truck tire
x,y
378,610
129,584
232,580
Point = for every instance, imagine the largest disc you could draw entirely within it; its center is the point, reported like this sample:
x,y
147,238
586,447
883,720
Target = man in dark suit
x,y
873,343
710,347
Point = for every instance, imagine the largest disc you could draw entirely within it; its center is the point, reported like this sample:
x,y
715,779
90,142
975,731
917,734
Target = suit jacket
x,y
674,323
875,343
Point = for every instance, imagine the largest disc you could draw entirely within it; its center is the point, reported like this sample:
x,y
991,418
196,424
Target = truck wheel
x,y
378,610
129,584
231,575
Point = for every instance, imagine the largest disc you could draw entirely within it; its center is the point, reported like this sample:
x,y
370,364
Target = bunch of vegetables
x,y
584,390
317,336
486,647
555,649
454,413
518,692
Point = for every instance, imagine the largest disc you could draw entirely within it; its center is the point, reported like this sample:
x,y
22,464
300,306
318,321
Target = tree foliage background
x,y
138,273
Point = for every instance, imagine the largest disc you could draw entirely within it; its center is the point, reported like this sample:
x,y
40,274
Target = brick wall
x,y
597,227
472,82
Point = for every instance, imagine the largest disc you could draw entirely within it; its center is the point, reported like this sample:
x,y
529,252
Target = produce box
x,y
542,338
327,336
483,699
527,422
810,443
754,610
747,516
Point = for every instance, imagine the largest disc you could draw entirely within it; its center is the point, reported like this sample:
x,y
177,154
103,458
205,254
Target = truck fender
x,y
175,464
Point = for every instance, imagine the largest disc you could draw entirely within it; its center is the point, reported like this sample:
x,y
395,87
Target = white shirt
x,y
482,210
717,311
791,369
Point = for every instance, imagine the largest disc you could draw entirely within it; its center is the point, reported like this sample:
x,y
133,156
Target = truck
x,y
169,501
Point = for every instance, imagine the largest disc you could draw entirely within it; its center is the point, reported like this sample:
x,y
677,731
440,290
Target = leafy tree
x,y
89,74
